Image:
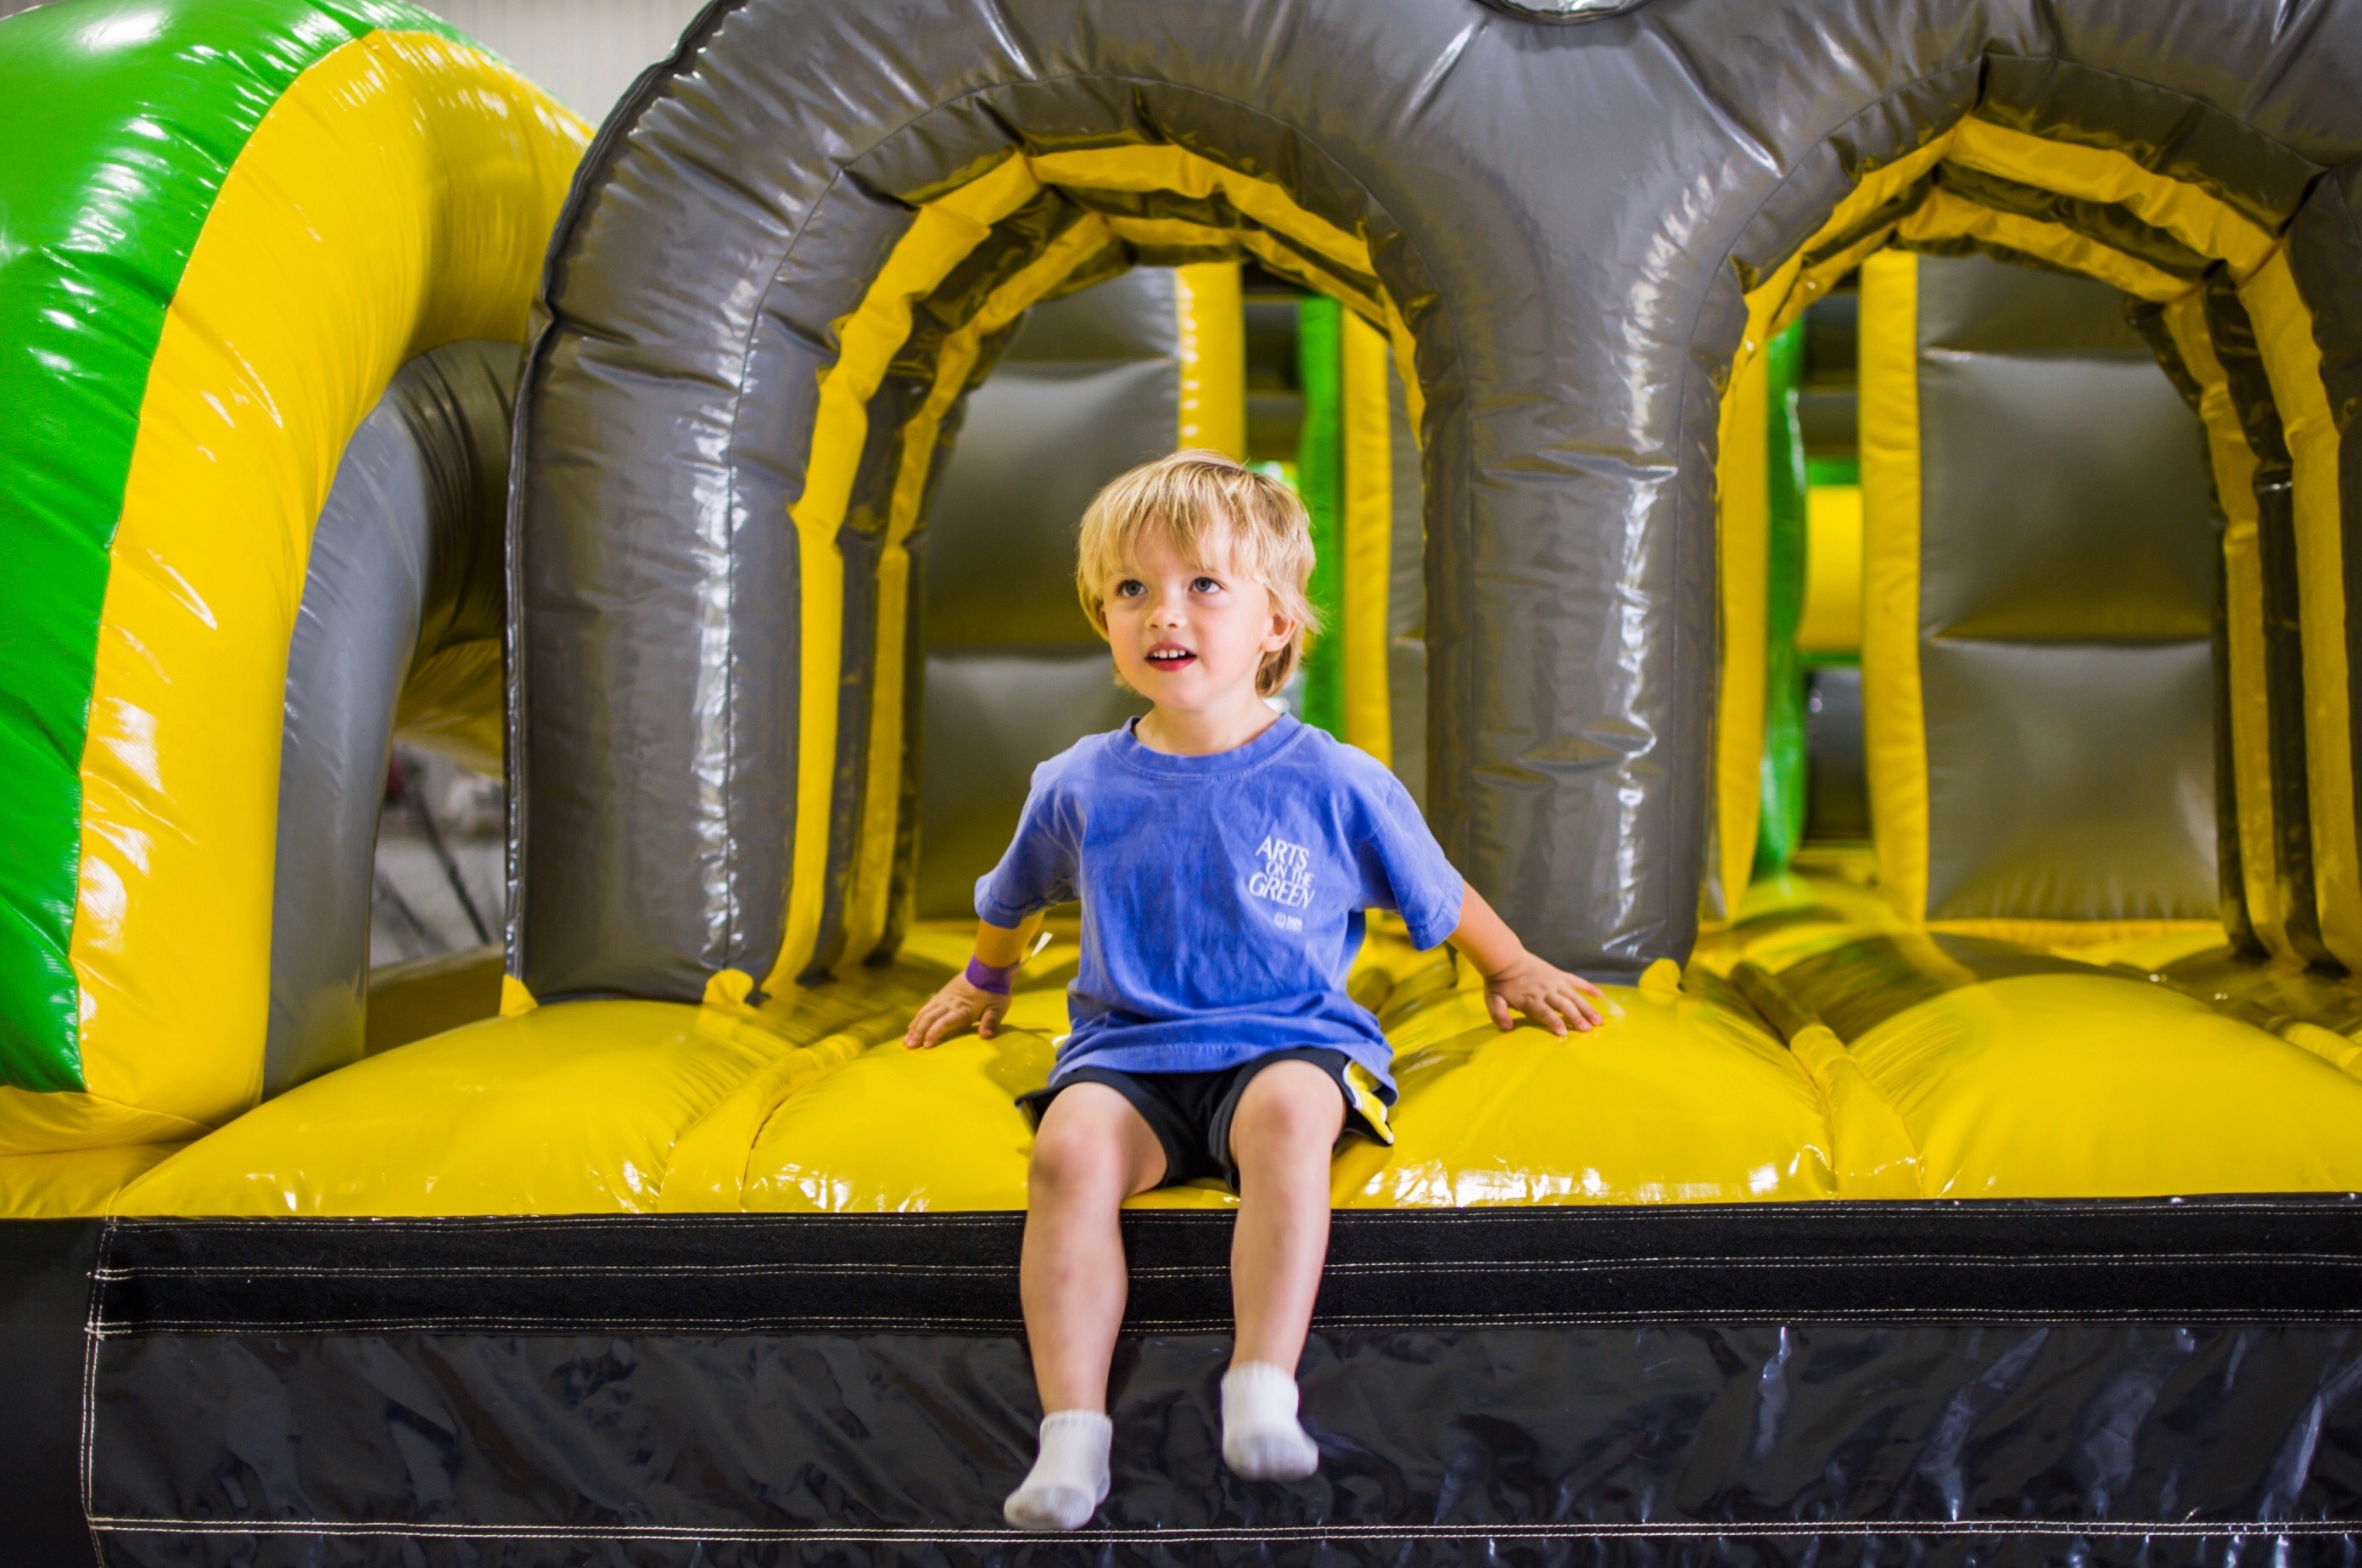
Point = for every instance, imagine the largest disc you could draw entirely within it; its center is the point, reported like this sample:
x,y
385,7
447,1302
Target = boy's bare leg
x,y
1281,1137
1093,1151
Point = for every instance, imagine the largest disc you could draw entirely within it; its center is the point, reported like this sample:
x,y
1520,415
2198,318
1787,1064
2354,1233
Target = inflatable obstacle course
x,y
1977,1186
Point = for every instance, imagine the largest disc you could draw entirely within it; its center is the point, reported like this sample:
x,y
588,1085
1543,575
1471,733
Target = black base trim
x,y
2141,1383
45,1303
2250,1260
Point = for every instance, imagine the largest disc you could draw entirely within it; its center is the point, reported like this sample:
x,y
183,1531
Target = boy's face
x,y
1189,635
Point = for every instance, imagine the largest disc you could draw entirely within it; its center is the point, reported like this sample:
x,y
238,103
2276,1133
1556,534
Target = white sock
x,y
1260,1438
1069,1479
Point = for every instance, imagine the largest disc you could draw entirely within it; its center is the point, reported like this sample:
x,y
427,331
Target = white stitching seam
x,y
1187,1271
1851,1529
92,1334
1921,1212
1403,1321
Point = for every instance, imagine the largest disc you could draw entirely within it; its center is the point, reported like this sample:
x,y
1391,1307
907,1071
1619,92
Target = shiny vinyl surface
x,y
1783,1383
1924,1067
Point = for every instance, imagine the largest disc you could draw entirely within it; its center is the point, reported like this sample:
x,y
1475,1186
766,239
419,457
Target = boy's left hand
x,y
1547,996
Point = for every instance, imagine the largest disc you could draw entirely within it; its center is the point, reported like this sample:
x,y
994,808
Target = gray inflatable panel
x,y
990,720
2070,781
405,561
1574,315
2068,552
1090,385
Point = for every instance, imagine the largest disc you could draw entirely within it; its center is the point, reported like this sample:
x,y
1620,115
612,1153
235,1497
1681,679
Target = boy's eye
x,y
1131,588
1205,585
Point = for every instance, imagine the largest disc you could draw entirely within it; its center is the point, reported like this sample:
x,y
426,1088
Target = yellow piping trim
x,y
1169,233
2071,933
1776,301
2202,222
2198,219
1742,478
1106,168
2292,360
398,196
1369,538
867,895
1944,215
1893,721
1210,315
943,233
2250,739
1142,169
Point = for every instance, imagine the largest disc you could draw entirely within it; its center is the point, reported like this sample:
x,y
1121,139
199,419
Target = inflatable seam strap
x,y
282,226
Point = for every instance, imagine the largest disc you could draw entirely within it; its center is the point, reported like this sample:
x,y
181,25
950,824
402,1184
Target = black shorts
x,y
1190,1112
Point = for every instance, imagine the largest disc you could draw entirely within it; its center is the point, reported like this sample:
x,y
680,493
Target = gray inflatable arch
x,y
797,242
403,588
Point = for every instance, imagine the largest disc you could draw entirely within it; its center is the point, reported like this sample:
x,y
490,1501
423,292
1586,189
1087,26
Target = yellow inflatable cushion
x,y
80,1184
2086,1086
580,1108
811,1103
1671,1101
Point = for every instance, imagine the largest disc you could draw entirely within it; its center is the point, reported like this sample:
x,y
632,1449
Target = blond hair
x,y
1200,501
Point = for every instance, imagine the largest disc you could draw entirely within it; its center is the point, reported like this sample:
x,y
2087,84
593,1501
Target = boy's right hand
x,y
951,1010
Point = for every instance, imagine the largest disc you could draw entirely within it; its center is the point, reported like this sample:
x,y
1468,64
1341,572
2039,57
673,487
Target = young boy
x,y
1224,854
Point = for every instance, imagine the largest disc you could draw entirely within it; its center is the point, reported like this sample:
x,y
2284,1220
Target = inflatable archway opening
x,y
2235,254
956,268
1213,355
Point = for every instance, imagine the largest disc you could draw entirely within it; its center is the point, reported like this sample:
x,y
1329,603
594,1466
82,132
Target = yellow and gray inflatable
x,y
333,193
1987,1185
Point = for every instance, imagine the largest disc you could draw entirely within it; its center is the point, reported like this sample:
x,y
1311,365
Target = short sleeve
x,y
1403,868
1039,867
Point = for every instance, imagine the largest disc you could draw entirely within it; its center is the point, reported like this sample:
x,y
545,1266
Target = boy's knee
x,y
1289,1104
1074,1157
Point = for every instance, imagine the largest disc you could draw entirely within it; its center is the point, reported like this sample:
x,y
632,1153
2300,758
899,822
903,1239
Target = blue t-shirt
x,y
1222,895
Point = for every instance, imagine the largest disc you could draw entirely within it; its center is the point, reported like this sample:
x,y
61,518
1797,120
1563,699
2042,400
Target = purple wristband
x,y
985,977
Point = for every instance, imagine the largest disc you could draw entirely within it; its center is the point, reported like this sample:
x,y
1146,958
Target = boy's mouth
x,y
1169,657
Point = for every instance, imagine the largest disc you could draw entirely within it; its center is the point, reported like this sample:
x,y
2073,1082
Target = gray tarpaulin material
x,y
1015,673
405,564
788,234
2065,589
